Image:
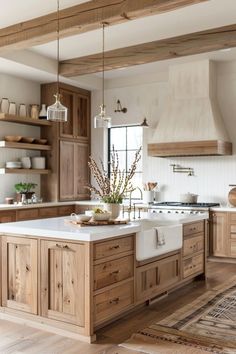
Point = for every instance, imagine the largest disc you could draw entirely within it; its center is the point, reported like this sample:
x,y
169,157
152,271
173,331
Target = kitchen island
x,y
73,280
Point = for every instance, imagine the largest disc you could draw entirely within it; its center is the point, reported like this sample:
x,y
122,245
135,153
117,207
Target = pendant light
x,y
101,120
57,112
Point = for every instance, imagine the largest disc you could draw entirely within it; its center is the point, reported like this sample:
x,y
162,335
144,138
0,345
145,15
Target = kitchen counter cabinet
x,y
219,234
7,216
79,279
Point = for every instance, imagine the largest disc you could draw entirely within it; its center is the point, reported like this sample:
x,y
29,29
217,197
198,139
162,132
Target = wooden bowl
x,y
232,196
13,138
27,140
40,141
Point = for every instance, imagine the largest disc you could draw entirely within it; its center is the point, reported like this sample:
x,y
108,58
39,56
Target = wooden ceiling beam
x,y
83,18
170,48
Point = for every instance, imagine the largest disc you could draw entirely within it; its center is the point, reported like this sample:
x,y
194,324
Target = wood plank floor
x,y
17,339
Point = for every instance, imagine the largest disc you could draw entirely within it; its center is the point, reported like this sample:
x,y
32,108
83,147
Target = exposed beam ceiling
x,y
82,18
189,44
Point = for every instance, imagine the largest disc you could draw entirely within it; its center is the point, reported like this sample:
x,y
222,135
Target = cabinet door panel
x,y
19,273
81,170
63,281
82,117
67,157
7,216
158,276
67,128
220,235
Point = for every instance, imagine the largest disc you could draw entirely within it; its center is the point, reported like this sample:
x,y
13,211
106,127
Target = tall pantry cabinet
x,y
70,142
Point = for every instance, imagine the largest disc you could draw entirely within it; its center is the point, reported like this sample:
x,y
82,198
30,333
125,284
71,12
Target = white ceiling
x,y
213,13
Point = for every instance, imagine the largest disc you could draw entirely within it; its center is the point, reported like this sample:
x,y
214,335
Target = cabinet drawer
x,y
193,265
28,214
193,228
113,247
7,216
233,248
112,302
193,244
113,271
233,217
48,212
66,210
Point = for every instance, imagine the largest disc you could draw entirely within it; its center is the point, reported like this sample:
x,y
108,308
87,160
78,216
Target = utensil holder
x,y
148,196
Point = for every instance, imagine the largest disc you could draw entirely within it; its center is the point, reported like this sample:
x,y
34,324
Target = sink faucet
x,y
130,200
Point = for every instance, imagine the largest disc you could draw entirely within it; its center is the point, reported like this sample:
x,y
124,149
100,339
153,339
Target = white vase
x,y
43,112
112,208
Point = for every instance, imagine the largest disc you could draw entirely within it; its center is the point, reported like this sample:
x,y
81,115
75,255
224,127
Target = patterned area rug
x,y
207,325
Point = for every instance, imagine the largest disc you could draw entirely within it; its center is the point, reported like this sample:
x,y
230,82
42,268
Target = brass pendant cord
x,y
58,48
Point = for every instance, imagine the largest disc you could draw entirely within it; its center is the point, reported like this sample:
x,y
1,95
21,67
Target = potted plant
x,y
111,190
24,189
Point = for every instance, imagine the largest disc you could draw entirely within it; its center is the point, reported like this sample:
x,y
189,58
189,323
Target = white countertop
x,y
224,208
58,228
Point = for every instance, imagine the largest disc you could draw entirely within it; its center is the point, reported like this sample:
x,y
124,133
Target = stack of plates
x,y
13,164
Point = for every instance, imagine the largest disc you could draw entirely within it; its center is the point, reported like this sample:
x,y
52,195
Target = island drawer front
x,y
113,301
113,247
193,265
193,228
66,210
233,231
7,216
233,217
27,214
114,271
193,245
48,212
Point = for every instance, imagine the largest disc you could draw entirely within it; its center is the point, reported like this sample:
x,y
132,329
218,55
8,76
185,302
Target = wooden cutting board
x,y
232,196
97,223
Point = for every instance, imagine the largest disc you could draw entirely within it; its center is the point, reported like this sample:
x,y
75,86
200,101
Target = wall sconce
x,y
119,108
180,169
144,123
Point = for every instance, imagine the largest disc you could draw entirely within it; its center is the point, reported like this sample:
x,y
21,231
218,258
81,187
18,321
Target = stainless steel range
x,y
180,208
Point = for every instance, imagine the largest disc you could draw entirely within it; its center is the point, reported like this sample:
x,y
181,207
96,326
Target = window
x,y
126,141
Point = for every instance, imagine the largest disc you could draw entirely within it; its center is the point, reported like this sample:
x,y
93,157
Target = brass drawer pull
x,y
114,301
115,272
58,246
114,247
192,228
66,247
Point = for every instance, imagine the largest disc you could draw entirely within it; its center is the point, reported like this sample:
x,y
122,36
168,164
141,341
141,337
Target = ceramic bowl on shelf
x,y
40,141
13,164
38,162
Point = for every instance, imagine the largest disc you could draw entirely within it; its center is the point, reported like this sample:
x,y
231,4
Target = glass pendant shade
x,y
102,120
57,112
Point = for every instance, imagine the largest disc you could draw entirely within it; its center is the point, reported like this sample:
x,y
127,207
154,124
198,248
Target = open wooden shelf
x,y
25,146
23,171
24,120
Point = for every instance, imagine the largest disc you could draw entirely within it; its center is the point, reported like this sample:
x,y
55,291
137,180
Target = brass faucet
x,y
130,201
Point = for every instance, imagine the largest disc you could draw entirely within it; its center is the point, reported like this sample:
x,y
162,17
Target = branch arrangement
x,y
113,189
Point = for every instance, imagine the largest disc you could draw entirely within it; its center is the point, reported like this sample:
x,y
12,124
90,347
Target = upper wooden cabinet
x,y
70,146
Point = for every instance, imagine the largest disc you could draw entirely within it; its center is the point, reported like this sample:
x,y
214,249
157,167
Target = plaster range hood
x,y
191,123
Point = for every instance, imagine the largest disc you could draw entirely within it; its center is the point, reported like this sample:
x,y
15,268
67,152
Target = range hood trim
x,y
191,123
190,148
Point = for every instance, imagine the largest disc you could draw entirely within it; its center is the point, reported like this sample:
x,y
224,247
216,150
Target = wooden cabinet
x,y
155,277
27,214
20,274
219,235
63,281
73,176
194,249
70,146
7,216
